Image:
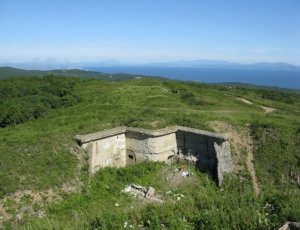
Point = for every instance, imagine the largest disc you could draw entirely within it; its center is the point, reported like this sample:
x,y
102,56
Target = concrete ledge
x,y
82,139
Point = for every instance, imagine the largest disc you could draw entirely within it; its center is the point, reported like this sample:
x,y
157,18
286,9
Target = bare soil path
x,y
250,164
244,100
265,108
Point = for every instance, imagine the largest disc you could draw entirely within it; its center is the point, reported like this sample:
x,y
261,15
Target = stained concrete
x,y
122,146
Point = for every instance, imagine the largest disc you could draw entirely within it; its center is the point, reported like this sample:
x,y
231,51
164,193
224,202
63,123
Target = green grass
x,y
203,205
41,153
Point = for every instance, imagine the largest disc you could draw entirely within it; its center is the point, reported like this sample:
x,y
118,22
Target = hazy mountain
x,y
225,64
195,64
275,66
214,64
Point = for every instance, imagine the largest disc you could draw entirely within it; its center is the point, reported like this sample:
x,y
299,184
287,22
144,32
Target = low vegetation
x,y
40,117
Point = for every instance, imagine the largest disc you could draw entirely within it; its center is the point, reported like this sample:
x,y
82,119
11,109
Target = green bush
x,y
285,97
24,99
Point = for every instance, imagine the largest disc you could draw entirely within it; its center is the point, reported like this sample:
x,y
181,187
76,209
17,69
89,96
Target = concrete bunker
x,y
209,152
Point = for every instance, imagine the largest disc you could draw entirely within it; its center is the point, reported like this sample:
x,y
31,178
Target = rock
x,y
127,188
150,192
168,192
19,217
136,190
294,225
179,196
137,186
186,174
40,214
290,226
141,192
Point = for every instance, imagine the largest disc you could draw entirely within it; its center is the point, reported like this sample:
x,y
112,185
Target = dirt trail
x,y
249,162
239,140
244,100
265,108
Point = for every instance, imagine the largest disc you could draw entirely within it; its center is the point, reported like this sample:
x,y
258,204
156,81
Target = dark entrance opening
x,y
131,159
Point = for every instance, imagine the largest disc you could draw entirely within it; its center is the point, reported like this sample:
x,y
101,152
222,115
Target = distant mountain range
x,y
211,64
215,64
226,64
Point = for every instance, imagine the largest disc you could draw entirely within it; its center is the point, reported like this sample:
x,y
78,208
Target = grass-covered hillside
x,y
9,72
44,180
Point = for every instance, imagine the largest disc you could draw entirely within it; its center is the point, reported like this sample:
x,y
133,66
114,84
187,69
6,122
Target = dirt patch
x,y
245,100
24,201
177,176
173,175
154,124
240,141
29,202
3,213
49,195
267,109
236,140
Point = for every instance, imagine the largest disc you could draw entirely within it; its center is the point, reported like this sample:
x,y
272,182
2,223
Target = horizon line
x,y
115,62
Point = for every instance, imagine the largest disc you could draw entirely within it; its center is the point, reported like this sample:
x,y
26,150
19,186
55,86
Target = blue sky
x,y
149,31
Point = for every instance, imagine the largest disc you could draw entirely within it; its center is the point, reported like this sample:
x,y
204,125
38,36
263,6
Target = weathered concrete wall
x,y
110,151
198,150
148,147
209,152
224,159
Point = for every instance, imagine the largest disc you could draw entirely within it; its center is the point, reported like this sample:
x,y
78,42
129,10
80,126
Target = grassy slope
x,y
37,155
